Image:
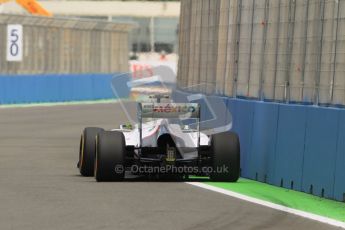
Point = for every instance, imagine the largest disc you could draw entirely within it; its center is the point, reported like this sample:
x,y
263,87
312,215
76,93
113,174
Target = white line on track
x,y
282,208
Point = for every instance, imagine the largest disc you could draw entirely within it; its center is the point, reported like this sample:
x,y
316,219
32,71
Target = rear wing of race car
x,y
181,111
169,110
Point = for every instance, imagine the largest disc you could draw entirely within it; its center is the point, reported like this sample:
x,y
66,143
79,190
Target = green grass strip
x,y
289,198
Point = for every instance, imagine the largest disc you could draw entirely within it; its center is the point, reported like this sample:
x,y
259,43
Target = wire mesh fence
x,y
57,45
280,50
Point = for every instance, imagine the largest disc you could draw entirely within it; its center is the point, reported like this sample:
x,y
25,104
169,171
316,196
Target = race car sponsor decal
x,y
170,110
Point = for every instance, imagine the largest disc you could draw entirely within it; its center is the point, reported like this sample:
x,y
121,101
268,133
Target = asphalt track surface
x,y
40,187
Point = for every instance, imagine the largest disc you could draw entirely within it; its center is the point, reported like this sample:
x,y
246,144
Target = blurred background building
x,y
156,22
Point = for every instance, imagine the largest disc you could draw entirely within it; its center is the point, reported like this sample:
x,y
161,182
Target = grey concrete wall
x,y
283,50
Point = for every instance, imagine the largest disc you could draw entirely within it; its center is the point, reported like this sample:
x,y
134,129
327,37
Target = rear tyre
x,y
226,157
87,151
110,156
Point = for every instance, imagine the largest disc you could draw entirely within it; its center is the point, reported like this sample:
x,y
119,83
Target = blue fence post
x,y
243,125
262,149
339,183
320,151
290,146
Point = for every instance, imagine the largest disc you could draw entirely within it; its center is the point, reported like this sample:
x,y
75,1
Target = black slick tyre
x,y
110,156
87,151
225,157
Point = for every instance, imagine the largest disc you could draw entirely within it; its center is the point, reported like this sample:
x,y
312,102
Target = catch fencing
x,y
66,46
275,50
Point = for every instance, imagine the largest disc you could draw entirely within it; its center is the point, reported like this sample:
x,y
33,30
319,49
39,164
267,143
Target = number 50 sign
x,y
14,42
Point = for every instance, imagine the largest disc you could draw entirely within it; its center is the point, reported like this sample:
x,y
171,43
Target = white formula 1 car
x,y
167,140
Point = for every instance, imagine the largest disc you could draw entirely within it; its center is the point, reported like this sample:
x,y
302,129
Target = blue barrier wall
x,y
289,150
320,150
339,184
243,124
57,88
294,146
298,147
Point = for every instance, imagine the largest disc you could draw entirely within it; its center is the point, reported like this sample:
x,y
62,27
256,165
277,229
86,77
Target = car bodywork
x,y
166,132
167,137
